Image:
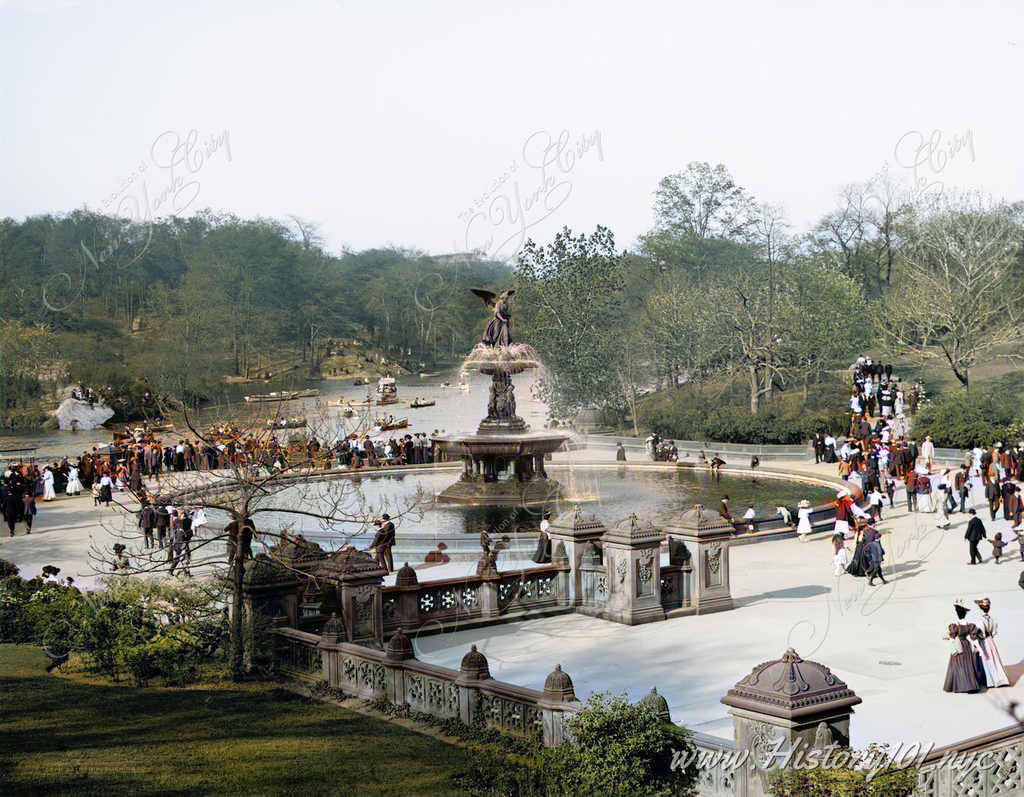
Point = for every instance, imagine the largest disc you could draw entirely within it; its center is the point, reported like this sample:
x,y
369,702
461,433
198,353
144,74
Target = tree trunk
x,y
755,389
237,610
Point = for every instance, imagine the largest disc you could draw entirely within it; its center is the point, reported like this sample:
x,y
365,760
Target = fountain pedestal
x,y
503,463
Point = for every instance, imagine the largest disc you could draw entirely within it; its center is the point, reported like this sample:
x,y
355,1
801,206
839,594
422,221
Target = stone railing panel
x,y
985,766
298,654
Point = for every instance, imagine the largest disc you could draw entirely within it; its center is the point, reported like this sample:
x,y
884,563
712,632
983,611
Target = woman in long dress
x,y
803,513
543,553
198,519
106,489
942,515
962,673
991,661
74,484
48,493
859,565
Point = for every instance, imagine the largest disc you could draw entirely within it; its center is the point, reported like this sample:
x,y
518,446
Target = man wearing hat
x,y
383,541
975,534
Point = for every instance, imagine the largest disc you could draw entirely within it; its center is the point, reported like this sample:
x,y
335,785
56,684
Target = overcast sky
x,y
399,122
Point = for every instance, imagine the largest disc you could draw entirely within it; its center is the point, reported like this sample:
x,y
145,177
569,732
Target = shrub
x,y
15,623
686,414
615,748
875,780
983,417
120,621
8,569
173,657
618,748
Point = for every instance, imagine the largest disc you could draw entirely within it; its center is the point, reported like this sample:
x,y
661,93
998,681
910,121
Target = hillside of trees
x,y
723,305
177,305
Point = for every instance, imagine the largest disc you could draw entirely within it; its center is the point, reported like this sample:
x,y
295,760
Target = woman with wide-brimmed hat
x,y
803,513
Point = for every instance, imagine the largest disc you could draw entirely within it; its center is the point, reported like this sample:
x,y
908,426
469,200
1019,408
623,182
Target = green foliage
x,y
618,748
614,748
16,622
987,415
686,414
880,778
213,295
174,657
148,628
569,307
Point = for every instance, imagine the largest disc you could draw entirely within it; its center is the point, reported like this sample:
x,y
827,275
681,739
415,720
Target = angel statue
x,y
499,329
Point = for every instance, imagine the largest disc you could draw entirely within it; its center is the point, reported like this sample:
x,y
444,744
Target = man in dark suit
x,y
874,556
383,541
975,534
993,496
962,485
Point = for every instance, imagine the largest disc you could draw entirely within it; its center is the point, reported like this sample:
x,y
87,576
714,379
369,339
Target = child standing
x,y
998,545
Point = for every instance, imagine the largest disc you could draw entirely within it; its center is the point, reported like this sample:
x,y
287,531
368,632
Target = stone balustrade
x,y
468,694
435,606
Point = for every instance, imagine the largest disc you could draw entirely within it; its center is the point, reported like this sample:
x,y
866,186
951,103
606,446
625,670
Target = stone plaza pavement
x,y
886,642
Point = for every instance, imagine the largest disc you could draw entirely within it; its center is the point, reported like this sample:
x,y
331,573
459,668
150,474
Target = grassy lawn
x,y
74,736
936,377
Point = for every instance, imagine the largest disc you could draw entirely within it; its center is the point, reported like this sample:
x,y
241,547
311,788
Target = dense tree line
x,y
182,302
722,290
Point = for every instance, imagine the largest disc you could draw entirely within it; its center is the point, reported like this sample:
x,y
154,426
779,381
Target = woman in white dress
x,y
48,493
74,484
803,513
198,519
991,661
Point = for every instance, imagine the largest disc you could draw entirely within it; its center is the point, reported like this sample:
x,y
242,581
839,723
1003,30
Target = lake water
x,y
454,410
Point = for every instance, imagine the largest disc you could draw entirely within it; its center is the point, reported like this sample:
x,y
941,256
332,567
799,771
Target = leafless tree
x,y
956,289
253,505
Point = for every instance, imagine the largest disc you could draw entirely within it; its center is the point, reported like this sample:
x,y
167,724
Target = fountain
x,y
503,463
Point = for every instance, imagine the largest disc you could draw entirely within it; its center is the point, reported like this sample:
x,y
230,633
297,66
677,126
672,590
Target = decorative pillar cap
x,y
659,704
635,531
311,594
474,666
558,687
334,629
400,648
791,688
406,577
700,522
577,523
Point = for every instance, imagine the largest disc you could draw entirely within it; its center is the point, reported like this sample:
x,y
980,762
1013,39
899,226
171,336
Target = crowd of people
x,y
880,457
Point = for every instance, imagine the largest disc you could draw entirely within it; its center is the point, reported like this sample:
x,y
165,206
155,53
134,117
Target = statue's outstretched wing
x,y
489,297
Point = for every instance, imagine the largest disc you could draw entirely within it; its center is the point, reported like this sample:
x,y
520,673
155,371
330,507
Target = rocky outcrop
x,y
75,414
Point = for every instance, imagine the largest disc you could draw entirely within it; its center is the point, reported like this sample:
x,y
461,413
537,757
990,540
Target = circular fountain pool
x,y
611,493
